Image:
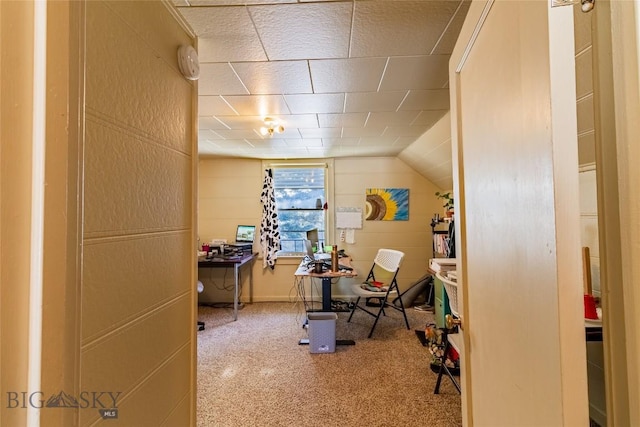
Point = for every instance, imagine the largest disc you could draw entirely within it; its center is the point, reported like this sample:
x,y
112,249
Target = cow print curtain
x,y
269,233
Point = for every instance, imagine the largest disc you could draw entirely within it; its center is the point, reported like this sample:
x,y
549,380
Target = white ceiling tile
x,y
225,34
208,135
347,75
341,141
304,31
399,27
307,142
212,50
416,72
404,141
206,122
298,148
392,118
450,36
255,122
316,103
258,105
212,106
232,134
234,144
205,148
219,79
376,151
379,141
346,151
299,120
362,132
241,122
434,99
405,130
343,119
373,101
321,133
285,143
429,118
275,77
270,143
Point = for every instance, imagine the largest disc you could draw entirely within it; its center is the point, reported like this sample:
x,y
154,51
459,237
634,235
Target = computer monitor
x,y
309,249
245,233
311,254
313,236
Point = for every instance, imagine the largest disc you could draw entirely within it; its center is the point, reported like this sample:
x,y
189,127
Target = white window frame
x,y
328,185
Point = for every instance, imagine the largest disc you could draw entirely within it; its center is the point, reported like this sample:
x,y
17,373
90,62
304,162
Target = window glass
x,y
298,192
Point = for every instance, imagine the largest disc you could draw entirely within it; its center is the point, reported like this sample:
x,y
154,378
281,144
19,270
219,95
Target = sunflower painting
x,y
387,204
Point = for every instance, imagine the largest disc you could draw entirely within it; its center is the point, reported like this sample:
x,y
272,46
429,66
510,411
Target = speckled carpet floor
x,y
252,372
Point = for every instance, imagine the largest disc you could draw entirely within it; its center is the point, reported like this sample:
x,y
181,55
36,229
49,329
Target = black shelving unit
x,y
436,224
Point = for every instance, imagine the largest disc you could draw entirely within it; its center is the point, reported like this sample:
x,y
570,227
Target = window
x,y
300,193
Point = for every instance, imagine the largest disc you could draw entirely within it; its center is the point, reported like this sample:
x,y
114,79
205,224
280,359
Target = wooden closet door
x,y
515,153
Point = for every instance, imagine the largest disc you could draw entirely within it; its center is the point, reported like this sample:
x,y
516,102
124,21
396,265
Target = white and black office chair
x,y
381,284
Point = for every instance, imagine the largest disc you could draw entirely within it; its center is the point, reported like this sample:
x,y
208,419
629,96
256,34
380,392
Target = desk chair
x,y
384,271
454,339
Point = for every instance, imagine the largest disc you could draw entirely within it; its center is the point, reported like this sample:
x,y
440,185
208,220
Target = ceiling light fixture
x,y
270,127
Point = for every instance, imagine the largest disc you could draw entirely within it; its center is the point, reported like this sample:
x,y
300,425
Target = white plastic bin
x,y
322,332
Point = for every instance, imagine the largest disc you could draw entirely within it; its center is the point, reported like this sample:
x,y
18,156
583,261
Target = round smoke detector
x,y
188,62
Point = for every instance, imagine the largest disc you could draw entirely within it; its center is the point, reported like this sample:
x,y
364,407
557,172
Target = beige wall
x,y
229,194
118,272
137,328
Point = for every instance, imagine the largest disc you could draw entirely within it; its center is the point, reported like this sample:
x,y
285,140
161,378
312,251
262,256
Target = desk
x,y
326,277
237,262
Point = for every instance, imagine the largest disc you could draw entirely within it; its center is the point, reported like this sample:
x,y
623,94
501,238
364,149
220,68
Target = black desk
x,y
237,262
326,277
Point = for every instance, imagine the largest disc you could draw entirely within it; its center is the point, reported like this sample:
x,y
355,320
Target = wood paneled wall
x,y
138,285
229,194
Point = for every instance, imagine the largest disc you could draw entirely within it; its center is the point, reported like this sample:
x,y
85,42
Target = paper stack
x,y
442,264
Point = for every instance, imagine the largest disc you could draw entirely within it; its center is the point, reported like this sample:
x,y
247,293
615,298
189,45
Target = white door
x,y
515,146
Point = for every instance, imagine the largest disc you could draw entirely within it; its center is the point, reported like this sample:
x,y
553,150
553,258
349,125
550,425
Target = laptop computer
x,y
245,235
314,256
324,257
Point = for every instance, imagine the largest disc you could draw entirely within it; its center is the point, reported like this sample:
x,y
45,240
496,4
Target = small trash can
x,y
322,332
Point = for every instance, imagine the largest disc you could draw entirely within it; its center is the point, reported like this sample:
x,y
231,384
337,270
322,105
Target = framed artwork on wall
x,y
387,204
